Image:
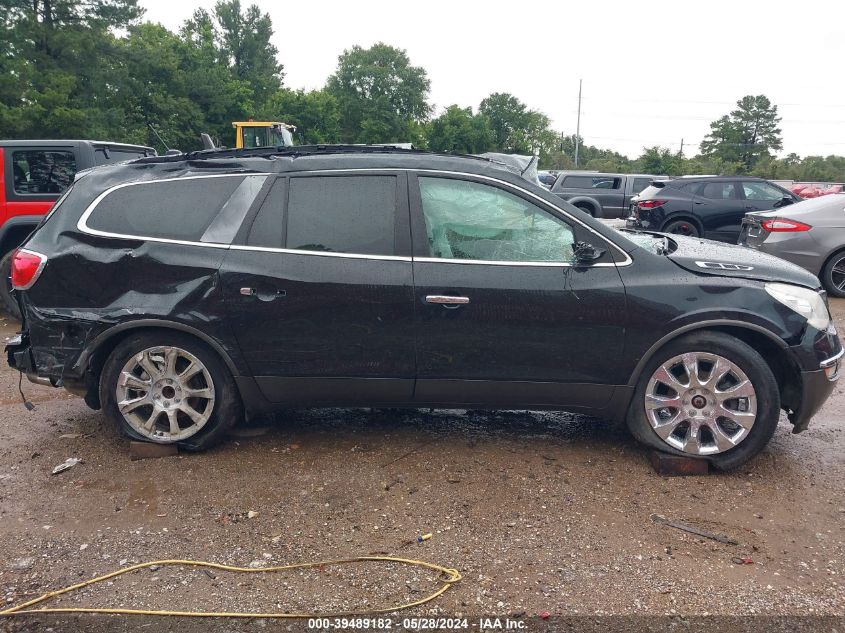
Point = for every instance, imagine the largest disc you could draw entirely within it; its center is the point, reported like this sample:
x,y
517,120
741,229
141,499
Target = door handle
x,y
262,294
447,300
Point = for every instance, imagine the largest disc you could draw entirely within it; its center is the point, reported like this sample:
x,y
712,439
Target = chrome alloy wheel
x,y
165,393
837,274
700,403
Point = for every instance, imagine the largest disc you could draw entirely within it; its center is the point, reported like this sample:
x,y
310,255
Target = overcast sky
x,y
654,72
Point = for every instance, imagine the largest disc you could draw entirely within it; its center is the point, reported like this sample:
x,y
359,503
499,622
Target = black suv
x,y
177,292
705,206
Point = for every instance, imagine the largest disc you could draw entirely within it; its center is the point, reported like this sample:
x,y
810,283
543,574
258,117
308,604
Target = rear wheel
x,y
588,209
6,299
169,388
682,227
833,275
706,395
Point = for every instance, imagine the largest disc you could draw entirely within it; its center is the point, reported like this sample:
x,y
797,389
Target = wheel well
x,y
783,368
589,207
98,357
829,257
683,218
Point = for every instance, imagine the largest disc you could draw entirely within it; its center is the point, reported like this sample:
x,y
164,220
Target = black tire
x,y
8,302
682,227
227,408
833,275
749,361
588,209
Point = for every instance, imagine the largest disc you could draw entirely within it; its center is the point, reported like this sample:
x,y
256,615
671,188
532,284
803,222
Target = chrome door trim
x,y
447,300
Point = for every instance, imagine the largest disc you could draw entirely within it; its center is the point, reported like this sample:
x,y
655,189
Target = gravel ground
x,y
540,512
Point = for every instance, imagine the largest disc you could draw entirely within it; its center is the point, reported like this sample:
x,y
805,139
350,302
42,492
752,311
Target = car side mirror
x,y
784,201
585,253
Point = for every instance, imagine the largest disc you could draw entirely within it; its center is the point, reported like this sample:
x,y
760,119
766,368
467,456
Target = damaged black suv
x,y
177,293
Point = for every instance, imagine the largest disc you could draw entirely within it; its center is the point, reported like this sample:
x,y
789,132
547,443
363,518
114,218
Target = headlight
x,y
808,303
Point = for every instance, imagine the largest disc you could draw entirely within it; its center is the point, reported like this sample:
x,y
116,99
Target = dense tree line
x,y
94,69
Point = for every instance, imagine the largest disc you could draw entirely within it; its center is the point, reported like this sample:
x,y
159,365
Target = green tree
x,y
508,120
315,114
244,38
459,130
746,134
660,160
381,96
54,64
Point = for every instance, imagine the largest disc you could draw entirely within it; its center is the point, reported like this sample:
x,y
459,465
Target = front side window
x,y
469,220
42,171
342,214
761,191
190,209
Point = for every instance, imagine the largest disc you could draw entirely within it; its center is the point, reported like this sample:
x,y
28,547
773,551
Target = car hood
x,y
706,257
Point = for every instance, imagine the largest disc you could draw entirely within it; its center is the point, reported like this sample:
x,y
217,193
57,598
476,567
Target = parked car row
x,y
177,292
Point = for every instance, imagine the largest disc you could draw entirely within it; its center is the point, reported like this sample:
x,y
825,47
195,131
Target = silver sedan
x,y
809,233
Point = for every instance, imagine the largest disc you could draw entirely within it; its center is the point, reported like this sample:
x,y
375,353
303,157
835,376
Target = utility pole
x,y
578,125
681,153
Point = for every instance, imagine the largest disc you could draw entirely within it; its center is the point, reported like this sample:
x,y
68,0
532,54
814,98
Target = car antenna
x,y
158,136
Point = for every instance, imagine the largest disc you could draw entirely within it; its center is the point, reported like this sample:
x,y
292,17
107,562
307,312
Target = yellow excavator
x,y
263,134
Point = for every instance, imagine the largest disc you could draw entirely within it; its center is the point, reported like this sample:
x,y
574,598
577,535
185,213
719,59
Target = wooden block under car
x,y
677,466
147,450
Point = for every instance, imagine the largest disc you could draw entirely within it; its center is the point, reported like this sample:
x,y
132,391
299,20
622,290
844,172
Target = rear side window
x,y
342,214
185,209
591,182
42,171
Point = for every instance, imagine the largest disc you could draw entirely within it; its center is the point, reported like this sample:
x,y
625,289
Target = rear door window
x,y
40,172
592,182
183,209
719,191
342,214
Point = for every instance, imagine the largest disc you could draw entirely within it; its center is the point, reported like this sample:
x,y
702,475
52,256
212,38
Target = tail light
x,y
26,267
782,225
650,204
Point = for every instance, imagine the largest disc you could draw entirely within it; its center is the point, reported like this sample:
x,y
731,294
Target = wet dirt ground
x,y
540,512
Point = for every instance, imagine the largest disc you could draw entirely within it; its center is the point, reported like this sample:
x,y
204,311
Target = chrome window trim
x,y
84,228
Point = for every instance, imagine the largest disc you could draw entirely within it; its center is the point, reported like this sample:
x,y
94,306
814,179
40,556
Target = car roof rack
x,y
296,151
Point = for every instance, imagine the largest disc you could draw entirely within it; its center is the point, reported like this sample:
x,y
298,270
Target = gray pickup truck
x,y
600,195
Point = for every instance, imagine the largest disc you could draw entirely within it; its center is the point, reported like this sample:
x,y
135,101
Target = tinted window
x,y
342,214
42,171
468,220
719,191
640,184
591,182
176,209
268,228
761,191
651,191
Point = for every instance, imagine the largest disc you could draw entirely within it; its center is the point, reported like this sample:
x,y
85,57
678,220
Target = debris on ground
x,y
69,463
661,520
742,560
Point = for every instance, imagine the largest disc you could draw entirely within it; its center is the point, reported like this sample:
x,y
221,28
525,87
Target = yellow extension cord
x,y
452,576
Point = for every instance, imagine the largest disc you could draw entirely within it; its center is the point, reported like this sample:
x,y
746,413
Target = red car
x,y
34,175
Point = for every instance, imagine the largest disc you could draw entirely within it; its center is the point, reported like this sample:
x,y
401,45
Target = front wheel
x,y
707,395
169,388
